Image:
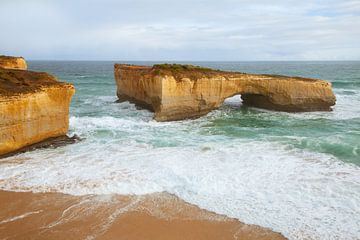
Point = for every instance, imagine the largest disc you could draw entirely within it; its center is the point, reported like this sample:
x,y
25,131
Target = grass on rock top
x,y
180,71
181,67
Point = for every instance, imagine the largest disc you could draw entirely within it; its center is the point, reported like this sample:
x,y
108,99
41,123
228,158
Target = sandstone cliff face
x,y
176,92
13,62
33,107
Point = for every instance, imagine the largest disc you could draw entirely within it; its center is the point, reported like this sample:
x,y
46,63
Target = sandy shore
x,y
156,216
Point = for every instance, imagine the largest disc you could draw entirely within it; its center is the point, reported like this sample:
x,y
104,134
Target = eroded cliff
x,y
176,92
12,62
34,107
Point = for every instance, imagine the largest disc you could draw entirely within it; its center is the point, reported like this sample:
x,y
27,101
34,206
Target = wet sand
x,y
155,216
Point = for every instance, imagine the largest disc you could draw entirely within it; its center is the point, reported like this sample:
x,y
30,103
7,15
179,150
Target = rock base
x,y
53,142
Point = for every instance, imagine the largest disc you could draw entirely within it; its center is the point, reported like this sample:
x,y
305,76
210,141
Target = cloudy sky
x,y
181,30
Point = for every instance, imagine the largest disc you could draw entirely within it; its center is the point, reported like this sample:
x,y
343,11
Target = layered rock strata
x,y
176,92
34,107
12,62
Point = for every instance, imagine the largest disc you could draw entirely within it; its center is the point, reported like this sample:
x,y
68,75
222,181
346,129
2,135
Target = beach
x,y
215,177
155,216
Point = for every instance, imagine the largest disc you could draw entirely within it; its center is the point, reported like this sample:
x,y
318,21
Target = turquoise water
x,y
336,133
297,173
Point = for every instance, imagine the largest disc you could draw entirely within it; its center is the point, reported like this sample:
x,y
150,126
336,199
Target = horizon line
x,y
102,60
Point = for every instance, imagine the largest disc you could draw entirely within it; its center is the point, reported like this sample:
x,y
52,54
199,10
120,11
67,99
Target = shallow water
x,y
297,173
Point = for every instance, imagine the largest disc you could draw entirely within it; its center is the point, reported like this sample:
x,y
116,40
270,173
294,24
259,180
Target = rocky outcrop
x,y
13,62
34,107
176,92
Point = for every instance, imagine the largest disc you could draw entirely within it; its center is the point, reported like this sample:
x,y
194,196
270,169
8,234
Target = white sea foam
x,y
100,100
346,107
19,217
301,194
304,195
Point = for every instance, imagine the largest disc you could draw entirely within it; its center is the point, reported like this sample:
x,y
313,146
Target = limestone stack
x,y
34,107
12,62
176,92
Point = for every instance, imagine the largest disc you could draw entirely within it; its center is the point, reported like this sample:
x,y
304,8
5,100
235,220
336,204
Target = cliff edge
x,y
34,107
176,92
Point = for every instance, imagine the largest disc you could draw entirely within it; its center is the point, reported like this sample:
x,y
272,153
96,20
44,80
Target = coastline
x,y
155,216
262,167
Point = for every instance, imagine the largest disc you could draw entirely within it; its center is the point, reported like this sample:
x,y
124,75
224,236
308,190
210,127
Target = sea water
x,y
296,173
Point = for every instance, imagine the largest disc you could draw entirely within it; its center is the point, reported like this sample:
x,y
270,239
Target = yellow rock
x,y
176,92
33,107
13,62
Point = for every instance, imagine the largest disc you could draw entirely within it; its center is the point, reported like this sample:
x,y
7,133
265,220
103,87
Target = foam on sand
x,y
295,192
155,216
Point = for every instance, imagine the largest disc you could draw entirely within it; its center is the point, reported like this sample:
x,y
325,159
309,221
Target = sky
x,y
182,30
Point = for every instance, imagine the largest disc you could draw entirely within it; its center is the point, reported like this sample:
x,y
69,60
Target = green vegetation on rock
x,y
180,67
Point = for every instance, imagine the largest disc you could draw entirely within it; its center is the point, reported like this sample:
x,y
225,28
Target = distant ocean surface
x,y
296,173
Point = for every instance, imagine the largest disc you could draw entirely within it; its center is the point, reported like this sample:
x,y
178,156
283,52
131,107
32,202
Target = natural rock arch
x,y
176,92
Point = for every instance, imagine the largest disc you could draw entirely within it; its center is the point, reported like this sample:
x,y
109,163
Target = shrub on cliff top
x,y
180,67
180,71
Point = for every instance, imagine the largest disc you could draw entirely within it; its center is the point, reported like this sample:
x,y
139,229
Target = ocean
x,y
296,173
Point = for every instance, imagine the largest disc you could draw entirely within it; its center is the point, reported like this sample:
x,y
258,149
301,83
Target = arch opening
x,y
233,101
250,100
258,100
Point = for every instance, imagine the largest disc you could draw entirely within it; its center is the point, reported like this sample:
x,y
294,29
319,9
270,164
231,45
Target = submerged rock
x,y
12,62
34,107
176,92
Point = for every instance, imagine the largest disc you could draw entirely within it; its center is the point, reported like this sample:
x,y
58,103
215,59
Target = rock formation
x,y
13,62
176,92
34,107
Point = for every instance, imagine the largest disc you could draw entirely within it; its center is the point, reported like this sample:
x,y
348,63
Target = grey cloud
x,y
181,30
